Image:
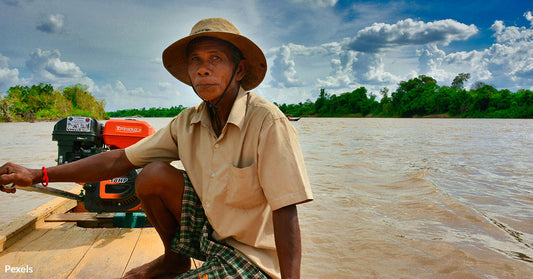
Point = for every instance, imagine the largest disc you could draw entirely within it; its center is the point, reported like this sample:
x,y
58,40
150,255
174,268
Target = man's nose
x,y
203,70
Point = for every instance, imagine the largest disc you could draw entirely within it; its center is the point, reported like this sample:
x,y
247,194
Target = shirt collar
x,y
236,115
238,111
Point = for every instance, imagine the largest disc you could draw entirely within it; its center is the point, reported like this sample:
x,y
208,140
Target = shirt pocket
x,y
243,190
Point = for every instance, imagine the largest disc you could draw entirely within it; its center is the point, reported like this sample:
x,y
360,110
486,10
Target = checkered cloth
x,y
194,239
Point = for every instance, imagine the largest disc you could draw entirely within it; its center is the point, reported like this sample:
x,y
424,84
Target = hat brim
x,y
175,58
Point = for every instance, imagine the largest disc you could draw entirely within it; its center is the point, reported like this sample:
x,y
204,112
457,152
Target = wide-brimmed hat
x,y
175,56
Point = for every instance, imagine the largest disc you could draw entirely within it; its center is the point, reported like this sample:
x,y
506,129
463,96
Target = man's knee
x,y
158,178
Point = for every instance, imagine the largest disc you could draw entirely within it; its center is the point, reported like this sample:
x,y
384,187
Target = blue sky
x,y
114,47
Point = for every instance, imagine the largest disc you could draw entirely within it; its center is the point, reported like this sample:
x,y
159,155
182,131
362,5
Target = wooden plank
x,y
31,237
22,226
55,253
148,247
109,255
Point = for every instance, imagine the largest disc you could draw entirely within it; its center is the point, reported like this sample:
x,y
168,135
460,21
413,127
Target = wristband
x,y
44,182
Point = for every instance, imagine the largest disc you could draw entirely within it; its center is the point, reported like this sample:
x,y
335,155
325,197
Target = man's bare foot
x,y
174,264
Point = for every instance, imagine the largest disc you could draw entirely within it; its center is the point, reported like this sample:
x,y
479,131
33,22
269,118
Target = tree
x,y
459,81
321,101
412,96
421,96
478,85
42,101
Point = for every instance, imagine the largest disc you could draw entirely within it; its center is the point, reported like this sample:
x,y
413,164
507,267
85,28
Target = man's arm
x,y
288,242
105,165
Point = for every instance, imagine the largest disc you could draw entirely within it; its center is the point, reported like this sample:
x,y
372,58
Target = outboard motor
x,y
77,137
80,137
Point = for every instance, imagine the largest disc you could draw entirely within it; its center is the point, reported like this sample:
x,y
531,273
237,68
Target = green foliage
x,y
151,112
355,103
415,97
421,96
459,81
24,103
83,102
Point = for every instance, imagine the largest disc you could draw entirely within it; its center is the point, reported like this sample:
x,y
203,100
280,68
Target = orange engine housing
x,y
121,133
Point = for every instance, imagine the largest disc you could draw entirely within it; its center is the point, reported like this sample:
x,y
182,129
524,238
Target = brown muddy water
x,y
394,198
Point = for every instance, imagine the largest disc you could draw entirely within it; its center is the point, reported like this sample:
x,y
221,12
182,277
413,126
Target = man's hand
x,y
102,166
288,242
11,173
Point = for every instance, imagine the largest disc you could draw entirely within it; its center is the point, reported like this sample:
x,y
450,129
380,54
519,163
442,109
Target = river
x,y
394,198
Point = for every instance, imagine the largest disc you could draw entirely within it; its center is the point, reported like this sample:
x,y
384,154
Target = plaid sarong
x,y
194,239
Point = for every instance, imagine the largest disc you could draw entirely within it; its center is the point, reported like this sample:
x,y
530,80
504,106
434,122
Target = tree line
x,y
29,103
418,97
151,112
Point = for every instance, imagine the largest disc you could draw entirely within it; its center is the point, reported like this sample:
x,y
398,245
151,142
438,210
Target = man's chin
x,y
209,96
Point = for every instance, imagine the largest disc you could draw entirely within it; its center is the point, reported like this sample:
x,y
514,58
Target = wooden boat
x,y
292,118
48,243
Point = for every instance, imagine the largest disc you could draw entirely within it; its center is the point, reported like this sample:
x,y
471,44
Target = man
x,y
235,207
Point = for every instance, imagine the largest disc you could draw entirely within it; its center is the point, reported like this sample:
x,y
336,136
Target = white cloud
x,y
311,44
381,55
512,34
3,61
319,3
342,72
52,24
374,69
118,96
498,26
8,77
365,60
164,86
508,63
529,17
408,32
283,64
47,67
444,67
283,71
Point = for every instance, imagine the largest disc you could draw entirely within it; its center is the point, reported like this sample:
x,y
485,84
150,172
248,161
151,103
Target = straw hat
x,y
175,60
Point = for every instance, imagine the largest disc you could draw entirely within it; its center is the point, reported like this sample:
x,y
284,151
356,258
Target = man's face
x,y
210,68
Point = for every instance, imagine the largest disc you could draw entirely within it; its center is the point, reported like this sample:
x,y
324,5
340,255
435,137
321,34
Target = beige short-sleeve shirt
x,y
254,167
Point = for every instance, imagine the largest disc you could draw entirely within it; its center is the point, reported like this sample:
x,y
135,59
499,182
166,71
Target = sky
x,y
114,47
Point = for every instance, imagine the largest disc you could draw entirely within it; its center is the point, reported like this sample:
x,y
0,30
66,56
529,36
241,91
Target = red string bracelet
x,y
44,182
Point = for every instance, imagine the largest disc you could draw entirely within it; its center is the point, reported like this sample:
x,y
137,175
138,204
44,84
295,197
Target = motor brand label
x,y
119,180
78,124
129,130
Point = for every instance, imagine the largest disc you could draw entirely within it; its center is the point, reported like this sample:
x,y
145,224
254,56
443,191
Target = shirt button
x,y
216,146
213,175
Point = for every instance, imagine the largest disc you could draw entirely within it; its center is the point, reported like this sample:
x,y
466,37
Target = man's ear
x,y
242,69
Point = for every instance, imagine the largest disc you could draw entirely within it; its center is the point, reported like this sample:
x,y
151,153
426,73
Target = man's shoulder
x,y
259,105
